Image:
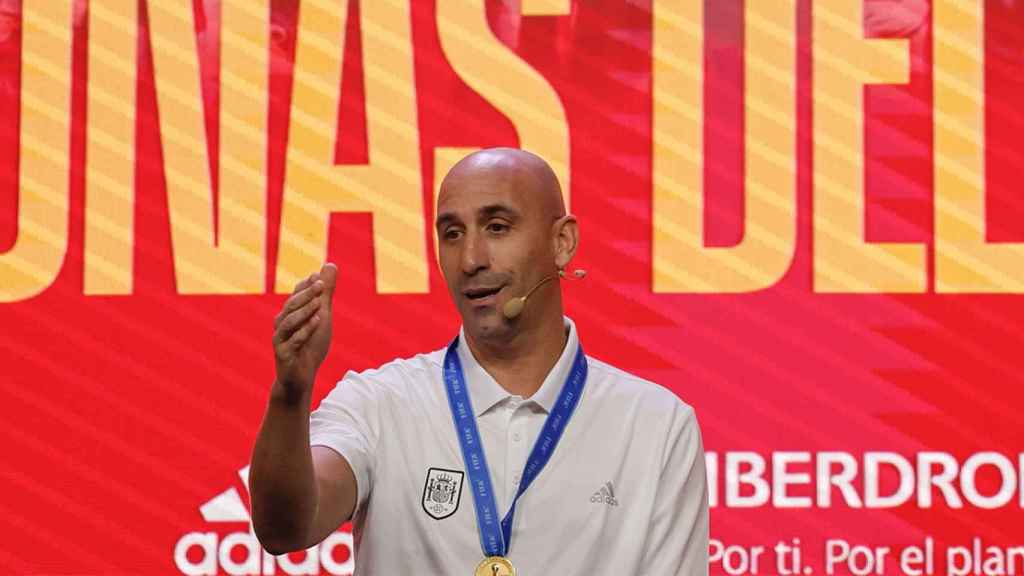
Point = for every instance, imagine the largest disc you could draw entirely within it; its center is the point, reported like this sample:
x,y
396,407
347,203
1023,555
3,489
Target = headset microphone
x,y
514,307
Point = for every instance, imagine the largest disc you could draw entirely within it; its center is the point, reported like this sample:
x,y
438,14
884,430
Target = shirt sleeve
x,y
347,422
677,537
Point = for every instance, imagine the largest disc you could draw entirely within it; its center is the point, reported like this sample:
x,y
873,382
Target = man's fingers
x,y
329,277
304,282
302,334
294,320
300,299
300,307
288,304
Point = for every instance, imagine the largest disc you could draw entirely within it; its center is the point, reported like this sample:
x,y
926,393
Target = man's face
x,y
494,245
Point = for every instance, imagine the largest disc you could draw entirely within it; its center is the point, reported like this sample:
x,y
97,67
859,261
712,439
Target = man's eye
x,y
452,234
498,227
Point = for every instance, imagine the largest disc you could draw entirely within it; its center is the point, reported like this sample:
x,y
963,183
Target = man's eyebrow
x,y
483,213
445,218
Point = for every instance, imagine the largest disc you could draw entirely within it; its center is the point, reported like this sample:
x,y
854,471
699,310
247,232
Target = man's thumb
x,y
329,275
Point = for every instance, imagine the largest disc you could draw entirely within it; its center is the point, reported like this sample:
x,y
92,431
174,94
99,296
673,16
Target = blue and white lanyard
x,y
495,540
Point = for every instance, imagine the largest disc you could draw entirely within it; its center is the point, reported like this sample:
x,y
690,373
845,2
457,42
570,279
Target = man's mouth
x,y
481,294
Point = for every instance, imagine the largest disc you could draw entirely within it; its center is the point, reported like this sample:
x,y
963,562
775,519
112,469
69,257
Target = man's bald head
x,y
502,227
531,175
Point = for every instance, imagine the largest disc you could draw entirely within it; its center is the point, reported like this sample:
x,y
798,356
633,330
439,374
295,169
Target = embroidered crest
x,y
442,492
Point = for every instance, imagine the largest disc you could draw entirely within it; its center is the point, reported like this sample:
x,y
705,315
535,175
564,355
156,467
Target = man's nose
x,y
475,255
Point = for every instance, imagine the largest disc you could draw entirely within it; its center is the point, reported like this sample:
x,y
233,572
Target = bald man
x,y
507,451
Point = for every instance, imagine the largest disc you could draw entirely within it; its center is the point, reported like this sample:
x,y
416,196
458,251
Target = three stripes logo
x,y
606,495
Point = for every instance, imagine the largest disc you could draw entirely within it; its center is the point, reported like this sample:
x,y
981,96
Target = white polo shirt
x,y
625,491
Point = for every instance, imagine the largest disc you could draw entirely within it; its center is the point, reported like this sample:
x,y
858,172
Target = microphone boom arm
x,y
514,307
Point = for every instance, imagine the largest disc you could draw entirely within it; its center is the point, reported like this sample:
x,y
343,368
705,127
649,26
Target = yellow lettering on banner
x,y
233,260
844,62
390,187
681,262
110,147
35,260
507,82
545,7
964,261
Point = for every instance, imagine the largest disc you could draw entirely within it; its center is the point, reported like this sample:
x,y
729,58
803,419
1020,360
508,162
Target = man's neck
x,y
521,364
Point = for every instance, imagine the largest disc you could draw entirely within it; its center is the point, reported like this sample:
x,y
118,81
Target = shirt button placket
x,y
515,462
510,455
518,452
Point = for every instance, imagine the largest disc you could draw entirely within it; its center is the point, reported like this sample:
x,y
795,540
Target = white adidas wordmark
x,y
216,551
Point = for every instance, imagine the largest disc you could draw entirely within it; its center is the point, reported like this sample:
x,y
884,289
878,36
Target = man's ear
x,y
566,238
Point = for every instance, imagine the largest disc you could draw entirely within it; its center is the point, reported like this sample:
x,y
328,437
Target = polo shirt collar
x,y
484,390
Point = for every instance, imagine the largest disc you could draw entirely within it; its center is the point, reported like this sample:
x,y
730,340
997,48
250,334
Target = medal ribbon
x,y
495,537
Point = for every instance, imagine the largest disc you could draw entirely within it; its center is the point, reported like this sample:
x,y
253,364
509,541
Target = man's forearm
x,y
282,484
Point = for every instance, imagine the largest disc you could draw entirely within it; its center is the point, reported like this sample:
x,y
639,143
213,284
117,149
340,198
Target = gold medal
x,y
495,566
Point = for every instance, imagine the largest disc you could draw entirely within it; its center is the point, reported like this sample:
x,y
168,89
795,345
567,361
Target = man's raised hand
x,y
302,331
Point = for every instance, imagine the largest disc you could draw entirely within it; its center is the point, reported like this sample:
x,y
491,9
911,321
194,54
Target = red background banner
x,y
125,413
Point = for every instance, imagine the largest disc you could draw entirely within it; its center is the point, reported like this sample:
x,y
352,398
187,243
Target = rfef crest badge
x,y
442,492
